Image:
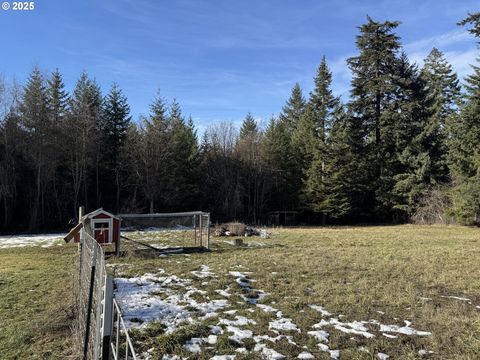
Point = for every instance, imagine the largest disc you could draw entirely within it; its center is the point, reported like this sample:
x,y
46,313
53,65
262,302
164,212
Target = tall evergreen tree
x,y
156,153
444,97
316,124
371,94
465,146
293,110
57,112
83,137
34,112
249,126
115,122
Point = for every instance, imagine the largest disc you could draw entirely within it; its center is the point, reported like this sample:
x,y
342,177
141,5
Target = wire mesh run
x,y
169,230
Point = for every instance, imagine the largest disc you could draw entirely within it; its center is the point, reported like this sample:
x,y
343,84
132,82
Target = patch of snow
x,y
305,355
283,324
390,336
223,357
238,334
138,298
43,240
424,352
320,309
223,292
334,354
211,339
216,330
354,327
266,308
268,353
193,345
456,298
406,330
239,321
203,272
320,335
382,356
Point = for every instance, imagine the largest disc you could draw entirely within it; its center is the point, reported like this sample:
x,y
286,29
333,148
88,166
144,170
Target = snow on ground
x,y
140,303
305,355
173,302
245,282
43,240
406,330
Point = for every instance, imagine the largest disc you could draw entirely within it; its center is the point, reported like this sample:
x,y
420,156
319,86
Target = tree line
x,y
405,145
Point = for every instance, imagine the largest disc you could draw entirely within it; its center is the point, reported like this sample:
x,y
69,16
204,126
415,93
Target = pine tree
x,y
288,166
464,147
83,135
249,126
316,124
156,153
414,157
444,96
115,122
347,180
57,111
371,94
293,110
34,112
474,20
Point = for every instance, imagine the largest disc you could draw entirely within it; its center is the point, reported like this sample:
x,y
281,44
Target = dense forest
x,y
404,146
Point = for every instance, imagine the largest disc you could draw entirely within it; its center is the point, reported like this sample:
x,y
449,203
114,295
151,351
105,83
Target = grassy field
x,y
35,302
364,277
379,275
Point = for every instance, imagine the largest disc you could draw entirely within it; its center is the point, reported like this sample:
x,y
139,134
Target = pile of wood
x,y
239,229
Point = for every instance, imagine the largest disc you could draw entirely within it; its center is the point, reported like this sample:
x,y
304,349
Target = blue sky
x,y
221,58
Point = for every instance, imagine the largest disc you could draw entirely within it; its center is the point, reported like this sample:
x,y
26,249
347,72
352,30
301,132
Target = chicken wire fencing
x,y
99,327
168,230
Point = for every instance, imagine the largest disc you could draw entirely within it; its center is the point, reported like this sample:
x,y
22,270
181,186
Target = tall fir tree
x,y
156,153
371,94
316,124
38,126
464,149
57,111
443,90
115,121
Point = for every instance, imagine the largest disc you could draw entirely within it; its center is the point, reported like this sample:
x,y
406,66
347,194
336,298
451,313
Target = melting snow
x,y
354,327
203,272
320,335
193,345
334,354
283,324
268,353
382,356
320,309
456,298
238,334
406,330
43,240
305,355
140,304
239,321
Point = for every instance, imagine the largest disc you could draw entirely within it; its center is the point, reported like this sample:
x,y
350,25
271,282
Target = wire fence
x,y
98,315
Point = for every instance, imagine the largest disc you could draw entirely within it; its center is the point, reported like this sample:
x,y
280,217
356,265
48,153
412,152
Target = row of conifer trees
x,y
404,145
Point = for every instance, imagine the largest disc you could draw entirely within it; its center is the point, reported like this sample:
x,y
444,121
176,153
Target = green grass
x,y
35,302
356,272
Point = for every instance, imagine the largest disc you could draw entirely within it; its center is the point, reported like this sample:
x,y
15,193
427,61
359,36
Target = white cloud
x,y
440,41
